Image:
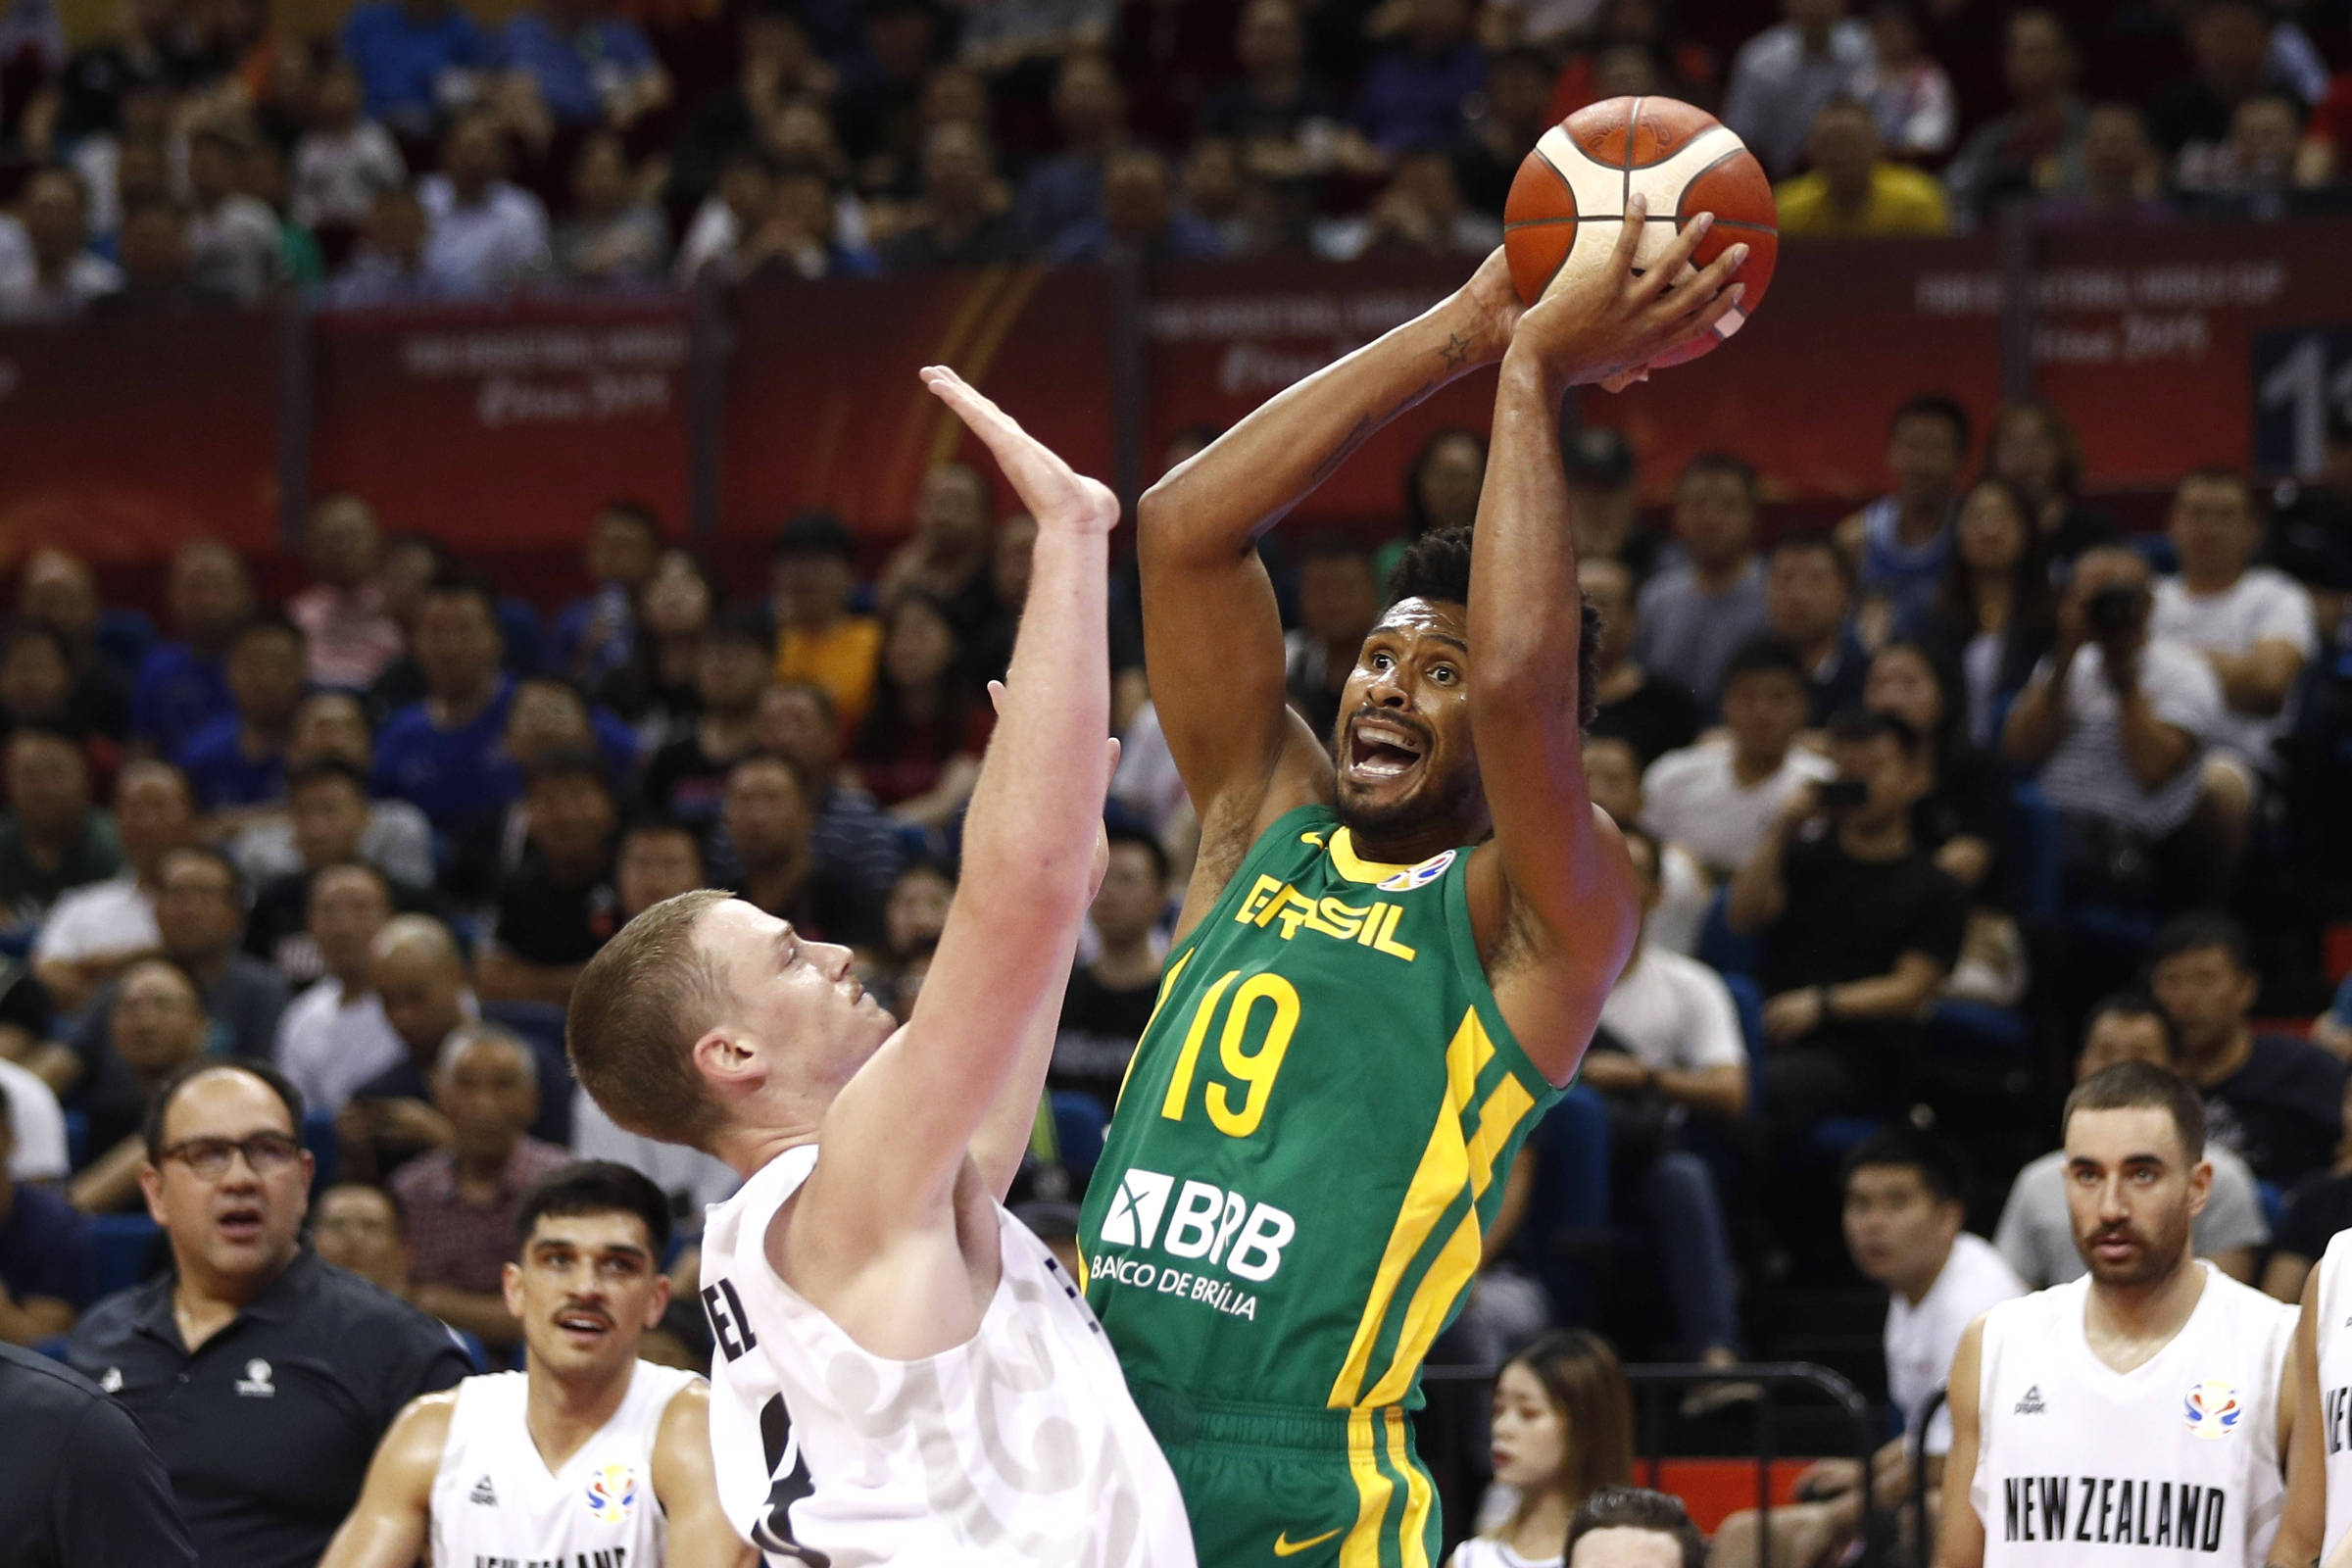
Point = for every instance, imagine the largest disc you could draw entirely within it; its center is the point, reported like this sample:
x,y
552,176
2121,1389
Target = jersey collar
x,y
1354,868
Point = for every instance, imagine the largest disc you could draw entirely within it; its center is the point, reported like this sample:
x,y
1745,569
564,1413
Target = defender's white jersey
x,y
2173,1462
2333,1306
1021,1446
495,1500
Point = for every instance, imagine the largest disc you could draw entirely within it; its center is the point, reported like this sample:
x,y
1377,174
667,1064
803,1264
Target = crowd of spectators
x,y
197,152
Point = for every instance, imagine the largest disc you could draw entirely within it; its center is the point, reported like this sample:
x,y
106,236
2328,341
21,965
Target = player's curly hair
x,y
1437,567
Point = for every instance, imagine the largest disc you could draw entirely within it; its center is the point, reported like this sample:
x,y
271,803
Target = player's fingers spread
x,y
1663,272
996,695
1702,320
1628,234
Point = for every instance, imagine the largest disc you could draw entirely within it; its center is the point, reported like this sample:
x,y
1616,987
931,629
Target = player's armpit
x,y
686,1484
387,1527
1960,1536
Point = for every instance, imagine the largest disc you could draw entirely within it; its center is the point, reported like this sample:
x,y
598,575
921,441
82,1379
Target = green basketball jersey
x,y
1313,1130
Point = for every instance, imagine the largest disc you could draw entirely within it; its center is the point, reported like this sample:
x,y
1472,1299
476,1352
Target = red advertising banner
x,y
119,437
823,408
504,426
1223,337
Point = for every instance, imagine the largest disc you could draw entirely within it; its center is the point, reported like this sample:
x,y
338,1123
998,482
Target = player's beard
x,y
1456,797
2160,1252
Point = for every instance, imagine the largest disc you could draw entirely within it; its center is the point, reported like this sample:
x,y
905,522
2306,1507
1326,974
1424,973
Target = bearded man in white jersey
x,y
901,1372
588,1454
2143,1413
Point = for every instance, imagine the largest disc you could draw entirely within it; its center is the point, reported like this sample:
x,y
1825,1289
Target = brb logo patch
x,y
613,1494
2212,1410
1419,876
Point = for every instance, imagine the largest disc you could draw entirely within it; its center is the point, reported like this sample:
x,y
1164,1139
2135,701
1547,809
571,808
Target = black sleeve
x,y
422,1356
1942,921
2314,1211
113,1502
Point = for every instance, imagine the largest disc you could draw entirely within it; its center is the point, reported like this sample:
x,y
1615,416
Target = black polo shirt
x,y
78,1482
267,1430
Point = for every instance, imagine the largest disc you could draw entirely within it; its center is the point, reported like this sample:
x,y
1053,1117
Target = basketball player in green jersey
x,y
1383,971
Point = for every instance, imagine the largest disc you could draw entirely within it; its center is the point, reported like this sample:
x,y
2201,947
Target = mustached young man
x,y
2142,1414
587,1455
1385,967
903,1375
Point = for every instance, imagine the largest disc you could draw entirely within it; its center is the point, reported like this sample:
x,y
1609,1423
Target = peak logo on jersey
x,y
256,1384
2031,1403
1419,876
2212,1410
613,1494
483,1493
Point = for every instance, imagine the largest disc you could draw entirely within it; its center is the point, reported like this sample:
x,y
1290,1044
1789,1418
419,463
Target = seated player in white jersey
x,y
2143,1413
586,1456
902,1374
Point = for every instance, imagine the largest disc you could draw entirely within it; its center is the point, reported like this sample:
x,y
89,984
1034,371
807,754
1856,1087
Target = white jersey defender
x,y
495,1501
1020,1446
2334,1322
2176,1461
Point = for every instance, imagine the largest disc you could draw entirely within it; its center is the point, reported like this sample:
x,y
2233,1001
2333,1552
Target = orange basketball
x,y
1566,203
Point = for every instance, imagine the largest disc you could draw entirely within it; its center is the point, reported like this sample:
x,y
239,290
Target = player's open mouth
x,y
241,1224
584,1325
1378,751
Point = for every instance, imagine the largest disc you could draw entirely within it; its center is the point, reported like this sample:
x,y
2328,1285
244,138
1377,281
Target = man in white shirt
x,y
2114,727
38,1152
1682,1053
1719,798
334,1037
1613,778
1783,75
93,933
1905,1211
48,270
2035,1234
2254,624
485,235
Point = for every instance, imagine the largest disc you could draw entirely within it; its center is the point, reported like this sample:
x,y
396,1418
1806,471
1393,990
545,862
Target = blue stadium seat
x,y
1974,1029
77,1138
17,942
123,1243
326,1150
2033,830
1748,997
1830,1138
1565,1237
2274,1204
1720,947
1079,1122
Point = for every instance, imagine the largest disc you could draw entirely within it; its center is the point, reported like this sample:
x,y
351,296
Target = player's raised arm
x,y
1212,637
1564,892
387,1527
901,1129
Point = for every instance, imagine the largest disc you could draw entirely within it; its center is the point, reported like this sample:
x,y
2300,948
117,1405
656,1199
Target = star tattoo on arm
x,y
1455,351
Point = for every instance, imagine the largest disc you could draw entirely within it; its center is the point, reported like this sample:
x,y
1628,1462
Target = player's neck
x,y
1411,846
747,1150
2146,1314
566,1412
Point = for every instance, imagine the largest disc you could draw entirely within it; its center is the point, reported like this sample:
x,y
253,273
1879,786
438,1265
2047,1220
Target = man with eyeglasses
x,y
262,1376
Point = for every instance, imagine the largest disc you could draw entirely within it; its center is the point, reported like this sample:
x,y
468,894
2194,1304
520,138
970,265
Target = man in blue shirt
x,y
183,686
239,759
48,1267
589,69
406,52
440,753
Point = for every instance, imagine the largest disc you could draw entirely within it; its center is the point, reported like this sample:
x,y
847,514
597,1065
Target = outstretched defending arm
x,y
1553,899
899,1131
387,1527
1213,638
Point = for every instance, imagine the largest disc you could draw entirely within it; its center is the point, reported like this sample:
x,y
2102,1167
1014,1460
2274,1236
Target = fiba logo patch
x,y
2212,1410
256,1383
1419,876
613,1494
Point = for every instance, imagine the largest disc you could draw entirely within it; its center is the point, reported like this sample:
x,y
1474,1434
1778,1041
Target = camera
x,y
1844,792
2114,609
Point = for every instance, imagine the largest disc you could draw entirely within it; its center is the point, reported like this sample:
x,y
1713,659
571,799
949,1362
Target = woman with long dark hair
x,y
1563,1429
1995,614
919,749
2033,446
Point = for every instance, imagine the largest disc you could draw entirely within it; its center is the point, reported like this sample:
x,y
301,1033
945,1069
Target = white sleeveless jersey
x,y
2173,1462
1021,1446
495,1501
2334,1306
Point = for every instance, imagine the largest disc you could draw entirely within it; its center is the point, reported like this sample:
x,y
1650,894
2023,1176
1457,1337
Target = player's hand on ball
x,y
1055,494
1606,325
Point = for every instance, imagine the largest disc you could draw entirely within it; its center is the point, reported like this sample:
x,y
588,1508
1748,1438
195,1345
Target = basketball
x,y
1569,196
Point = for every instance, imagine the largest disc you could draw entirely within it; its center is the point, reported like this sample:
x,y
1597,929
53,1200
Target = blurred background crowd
x,y
187,151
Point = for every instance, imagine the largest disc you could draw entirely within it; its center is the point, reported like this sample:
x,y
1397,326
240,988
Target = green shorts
x,y
1299,1488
